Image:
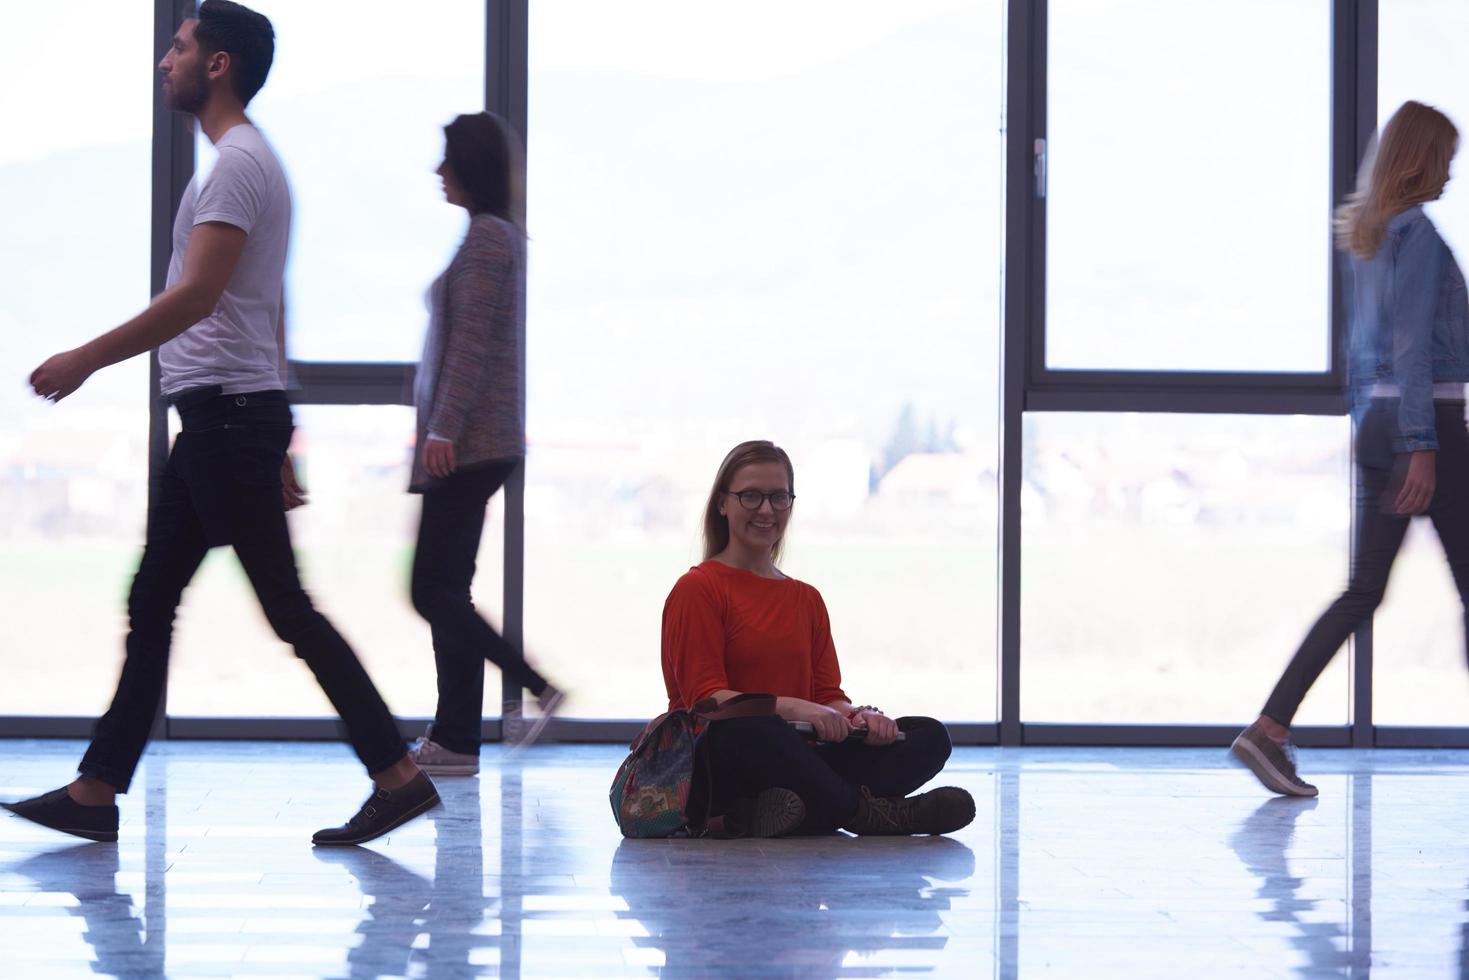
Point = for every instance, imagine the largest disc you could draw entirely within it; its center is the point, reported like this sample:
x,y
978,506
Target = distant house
x,y
938,480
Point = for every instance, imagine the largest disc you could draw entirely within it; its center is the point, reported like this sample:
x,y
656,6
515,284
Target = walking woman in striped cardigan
x,y
471,436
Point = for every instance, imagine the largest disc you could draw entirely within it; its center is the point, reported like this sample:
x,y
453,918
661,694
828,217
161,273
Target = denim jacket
x,y
1409,326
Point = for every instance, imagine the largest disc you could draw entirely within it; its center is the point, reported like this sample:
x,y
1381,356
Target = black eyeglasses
x,y
752,499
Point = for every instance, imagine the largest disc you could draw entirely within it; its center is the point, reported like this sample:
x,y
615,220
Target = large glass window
x,y
1173,563
1187,185
355,107
1418,634
772,221
778,222
74,262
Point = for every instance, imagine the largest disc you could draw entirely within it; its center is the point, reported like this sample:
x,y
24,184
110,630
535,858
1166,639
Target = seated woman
x,y
737,624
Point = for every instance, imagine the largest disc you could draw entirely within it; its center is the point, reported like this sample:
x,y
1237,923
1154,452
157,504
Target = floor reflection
x,y
707,906
444,927
115,933
1262,842
1464,941
1096,863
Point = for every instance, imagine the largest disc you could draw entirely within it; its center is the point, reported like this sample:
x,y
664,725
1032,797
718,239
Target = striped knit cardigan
x,y
475,389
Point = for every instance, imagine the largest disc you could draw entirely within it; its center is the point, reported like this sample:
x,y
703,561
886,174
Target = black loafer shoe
x,y
385,810
58,811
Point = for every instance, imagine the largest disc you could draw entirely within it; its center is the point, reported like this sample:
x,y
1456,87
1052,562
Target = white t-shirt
x,y
235,346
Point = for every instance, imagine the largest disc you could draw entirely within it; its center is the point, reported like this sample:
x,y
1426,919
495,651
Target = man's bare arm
x,y
213,252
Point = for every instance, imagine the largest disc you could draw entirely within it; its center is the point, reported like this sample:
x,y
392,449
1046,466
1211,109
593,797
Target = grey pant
x,y
1379,536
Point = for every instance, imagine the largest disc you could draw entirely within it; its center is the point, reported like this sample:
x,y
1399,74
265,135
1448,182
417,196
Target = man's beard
x,y
192,97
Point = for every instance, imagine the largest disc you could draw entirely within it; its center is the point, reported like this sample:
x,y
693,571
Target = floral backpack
x,y
653,791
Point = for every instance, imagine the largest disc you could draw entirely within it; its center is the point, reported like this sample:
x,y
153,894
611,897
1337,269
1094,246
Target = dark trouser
x,y
222,485
443,568
1379,535
744,756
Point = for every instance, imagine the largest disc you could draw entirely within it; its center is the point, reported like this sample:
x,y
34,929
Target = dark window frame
x,y
1027,385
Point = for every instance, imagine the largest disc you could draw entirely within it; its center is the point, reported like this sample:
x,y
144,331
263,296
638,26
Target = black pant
x,y
1379,535
443,568
743,756
222,485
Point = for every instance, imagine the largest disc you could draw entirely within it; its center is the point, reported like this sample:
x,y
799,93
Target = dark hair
x,y
716,525
243,34
483,152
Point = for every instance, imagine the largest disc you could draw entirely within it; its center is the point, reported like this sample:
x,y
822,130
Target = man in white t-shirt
x,y
221,351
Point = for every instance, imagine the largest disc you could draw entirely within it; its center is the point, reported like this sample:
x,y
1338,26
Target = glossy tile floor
x,y
1088,863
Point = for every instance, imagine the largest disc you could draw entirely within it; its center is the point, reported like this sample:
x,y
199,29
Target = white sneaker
x,y
436,760
550,702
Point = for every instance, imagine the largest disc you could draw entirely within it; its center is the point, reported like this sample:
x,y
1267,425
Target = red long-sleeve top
x,y
725,628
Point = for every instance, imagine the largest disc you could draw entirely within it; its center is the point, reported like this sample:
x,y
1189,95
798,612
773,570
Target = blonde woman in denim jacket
x,y
1409,363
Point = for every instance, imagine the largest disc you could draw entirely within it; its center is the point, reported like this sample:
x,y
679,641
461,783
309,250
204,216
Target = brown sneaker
x,y
1272,762
939,811
776,812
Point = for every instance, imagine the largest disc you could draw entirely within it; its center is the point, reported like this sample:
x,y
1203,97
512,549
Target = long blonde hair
x,y
716,525
1408,165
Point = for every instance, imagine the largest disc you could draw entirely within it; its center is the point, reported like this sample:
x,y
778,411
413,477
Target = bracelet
x,y
861,708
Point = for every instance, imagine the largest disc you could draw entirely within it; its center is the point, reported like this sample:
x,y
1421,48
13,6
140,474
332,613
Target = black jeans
x,y
1379,535
443,568
222,485
743,756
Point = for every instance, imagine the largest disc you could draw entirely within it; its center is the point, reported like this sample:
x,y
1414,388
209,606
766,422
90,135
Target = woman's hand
x,y
881,730
438,457
1417,491
831,725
